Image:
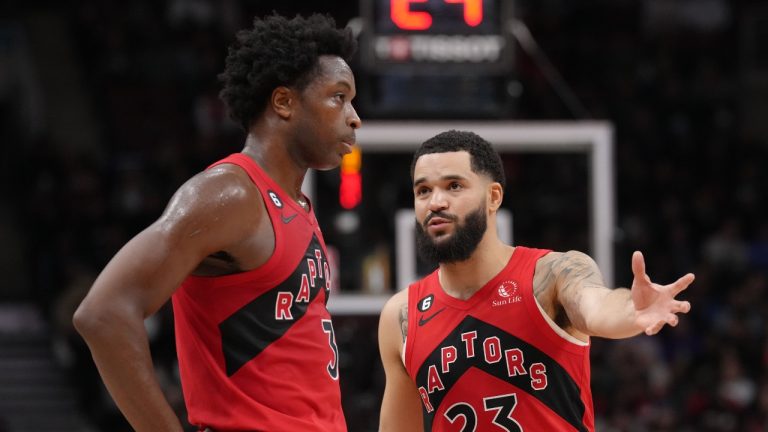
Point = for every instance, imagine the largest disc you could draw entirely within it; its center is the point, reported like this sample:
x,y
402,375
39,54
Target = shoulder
x,y
393,322
557,272
217,190
396,305
224,184
552,269
544,270
559,262
564,263
221,201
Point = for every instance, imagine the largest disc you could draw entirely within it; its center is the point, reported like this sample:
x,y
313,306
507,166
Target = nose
x,y
353,120
437,201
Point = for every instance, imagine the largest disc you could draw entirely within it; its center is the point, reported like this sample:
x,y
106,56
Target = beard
x,y
457,247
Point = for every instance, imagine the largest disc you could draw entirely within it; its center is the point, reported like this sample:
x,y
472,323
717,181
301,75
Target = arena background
x,y
106,107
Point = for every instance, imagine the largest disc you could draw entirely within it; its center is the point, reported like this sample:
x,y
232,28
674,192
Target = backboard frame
x,y
595,138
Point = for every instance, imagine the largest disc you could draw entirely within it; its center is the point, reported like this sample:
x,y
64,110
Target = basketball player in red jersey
x,y
239,250
497,339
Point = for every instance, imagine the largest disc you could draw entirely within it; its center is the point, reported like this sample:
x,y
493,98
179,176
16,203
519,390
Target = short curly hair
x,y
277,51
483,158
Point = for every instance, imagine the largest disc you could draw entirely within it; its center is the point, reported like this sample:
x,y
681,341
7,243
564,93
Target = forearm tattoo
x,y
404,321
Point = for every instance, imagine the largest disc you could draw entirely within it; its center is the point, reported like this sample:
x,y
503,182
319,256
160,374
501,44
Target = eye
x,y
454,186
340,96
421,191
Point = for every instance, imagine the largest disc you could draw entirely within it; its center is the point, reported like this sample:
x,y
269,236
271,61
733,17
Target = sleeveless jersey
x,y
256,349
493,362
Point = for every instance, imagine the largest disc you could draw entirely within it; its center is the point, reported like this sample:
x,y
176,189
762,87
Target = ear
x,y
495,196
283,101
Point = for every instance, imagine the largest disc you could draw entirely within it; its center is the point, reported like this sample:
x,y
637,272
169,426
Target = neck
x,y
464,278
270,152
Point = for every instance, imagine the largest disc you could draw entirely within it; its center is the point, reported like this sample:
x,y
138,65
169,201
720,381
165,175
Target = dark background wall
x,y
106,107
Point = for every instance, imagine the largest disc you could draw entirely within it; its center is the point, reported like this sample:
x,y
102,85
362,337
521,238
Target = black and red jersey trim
x,y
562,394
252,328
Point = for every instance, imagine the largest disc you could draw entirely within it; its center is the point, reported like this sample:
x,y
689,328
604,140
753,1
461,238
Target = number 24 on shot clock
x,y
407,19
442,33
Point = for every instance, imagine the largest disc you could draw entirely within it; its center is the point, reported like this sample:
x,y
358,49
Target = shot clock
x,y
437,35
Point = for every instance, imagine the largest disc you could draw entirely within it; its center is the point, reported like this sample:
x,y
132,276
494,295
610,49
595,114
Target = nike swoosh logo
x,y
287,219
423,320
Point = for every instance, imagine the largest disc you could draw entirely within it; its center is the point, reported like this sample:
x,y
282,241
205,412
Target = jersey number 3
x,y
333,366
503,405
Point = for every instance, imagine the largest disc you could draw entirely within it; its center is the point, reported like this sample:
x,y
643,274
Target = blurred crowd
x,y
691,188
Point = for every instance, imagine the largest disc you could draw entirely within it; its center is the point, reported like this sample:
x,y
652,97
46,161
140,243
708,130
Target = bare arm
x,y
205,216
401,406
595,310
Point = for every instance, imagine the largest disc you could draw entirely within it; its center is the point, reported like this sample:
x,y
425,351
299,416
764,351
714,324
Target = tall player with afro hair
x,y
239,252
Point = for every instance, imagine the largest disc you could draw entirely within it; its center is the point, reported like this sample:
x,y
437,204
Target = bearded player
x,y
497,338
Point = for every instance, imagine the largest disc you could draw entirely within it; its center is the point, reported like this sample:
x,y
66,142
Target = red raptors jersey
x,y
493,362
256,349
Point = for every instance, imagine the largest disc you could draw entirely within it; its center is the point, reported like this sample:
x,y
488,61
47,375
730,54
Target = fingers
x,y
682,284
638,269
638,264
652,330
671,319
681,307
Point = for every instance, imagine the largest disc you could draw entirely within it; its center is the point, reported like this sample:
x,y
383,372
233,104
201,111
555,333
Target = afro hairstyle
x,y
277,51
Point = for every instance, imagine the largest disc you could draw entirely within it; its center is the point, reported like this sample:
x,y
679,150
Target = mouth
x,y
438,224
348,142
436,221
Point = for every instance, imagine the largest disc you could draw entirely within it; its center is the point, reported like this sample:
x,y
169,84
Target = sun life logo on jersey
x,y
508,293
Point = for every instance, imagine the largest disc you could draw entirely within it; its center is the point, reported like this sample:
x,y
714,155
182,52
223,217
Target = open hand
x,y
655,304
